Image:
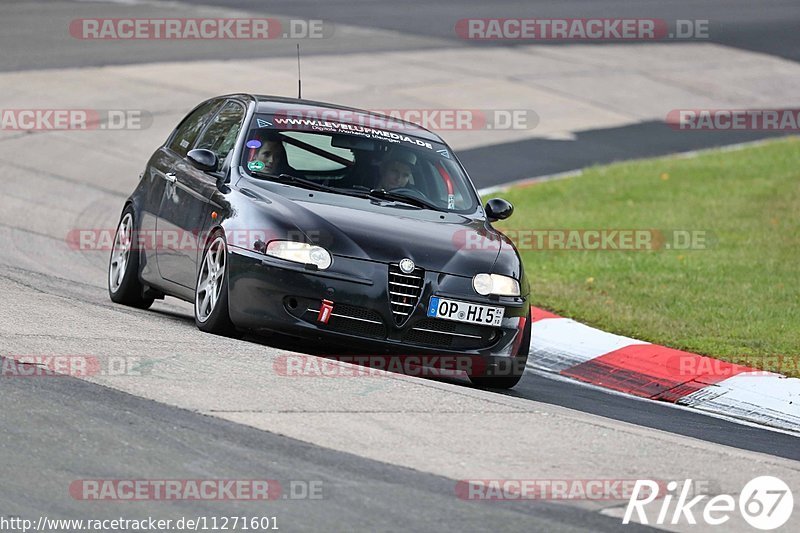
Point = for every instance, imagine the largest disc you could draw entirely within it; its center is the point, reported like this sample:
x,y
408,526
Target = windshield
x,y
356,160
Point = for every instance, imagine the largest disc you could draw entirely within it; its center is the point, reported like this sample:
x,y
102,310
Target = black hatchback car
x,y
325,222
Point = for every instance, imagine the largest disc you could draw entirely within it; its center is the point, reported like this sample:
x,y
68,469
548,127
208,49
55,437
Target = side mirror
x,y
498,209
203,159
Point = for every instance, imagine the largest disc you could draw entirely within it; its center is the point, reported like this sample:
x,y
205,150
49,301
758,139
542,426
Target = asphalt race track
x,y
386,451
144,439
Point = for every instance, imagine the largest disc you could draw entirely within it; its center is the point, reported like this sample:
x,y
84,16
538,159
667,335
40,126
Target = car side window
x,y
221,133
187,132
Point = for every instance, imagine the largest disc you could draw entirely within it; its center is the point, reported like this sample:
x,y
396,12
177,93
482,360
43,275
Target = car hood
x,y
385,232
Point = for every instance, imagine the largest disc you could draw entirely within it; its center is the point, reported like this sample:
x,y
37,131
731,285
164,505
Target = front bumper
x,y
270,294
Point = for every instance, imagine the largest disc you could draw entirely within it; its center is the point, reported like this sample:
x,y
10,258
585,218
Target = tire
x,y
124,285
496,382
211,291
516,372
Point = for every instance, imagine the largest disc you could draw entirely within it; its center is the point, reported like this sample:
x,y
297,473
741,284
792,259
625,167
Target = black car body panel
x,y
366,237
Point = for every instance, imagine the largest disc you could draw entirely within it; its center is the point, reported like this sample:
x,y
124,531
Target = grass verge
x,y
735,297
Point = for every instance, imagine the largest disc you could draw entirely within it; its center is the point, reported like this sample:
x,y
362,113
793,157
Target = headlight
x,y
300,252
486,284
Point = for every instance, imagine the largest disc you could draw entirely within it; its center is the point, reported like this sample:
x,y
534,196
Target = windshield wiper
x,y
295,180
383,194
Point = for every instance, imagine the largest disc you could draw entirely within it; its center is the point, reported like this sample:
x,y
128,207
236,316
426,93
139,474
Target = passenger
x,y
397,170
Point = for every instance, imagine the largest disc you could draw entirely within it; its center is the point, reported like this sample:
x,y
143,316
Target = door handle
x,y
171,177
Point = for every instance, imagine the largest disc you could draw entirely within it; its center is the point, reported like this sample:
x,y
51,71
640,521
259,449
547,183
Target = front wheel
x,y
496,382
515,368
211,293
509,377
124,286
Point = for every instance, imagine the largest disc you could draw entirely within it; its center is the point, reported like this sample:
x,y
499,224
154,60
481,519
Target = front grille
x,y
404,291
448,334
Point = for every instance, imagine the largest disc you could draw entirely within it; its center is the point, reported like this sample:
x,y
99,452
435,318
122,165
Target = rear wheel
x,y
124,286
211,293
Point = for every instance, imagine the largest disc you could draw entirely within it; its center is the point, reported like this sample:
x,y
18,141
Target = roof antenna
x,y
299,83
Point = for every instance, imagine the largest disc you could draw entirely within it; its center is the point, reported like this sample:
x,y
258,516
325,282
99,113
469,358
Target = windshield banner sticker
x,y
351,129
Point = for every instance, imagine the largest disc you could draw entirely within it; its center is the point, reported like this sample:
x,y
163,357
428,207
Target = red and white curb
x,y
570,349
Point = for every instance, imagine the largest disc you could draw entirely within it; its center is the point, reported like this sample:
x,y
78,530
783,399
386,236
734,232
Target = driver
x,y
273,155
397,170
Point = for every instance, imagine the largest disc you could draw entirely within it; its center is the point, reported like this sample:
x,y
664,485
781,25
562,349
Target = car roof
x,y
360,117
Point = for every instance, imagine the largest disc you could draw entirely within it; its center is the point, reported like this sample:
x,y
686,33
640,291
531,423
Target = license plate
x,y
484,315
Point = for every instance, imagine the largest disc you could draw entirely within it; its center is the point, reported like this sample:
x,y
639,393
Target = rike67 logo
x,y
765,503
